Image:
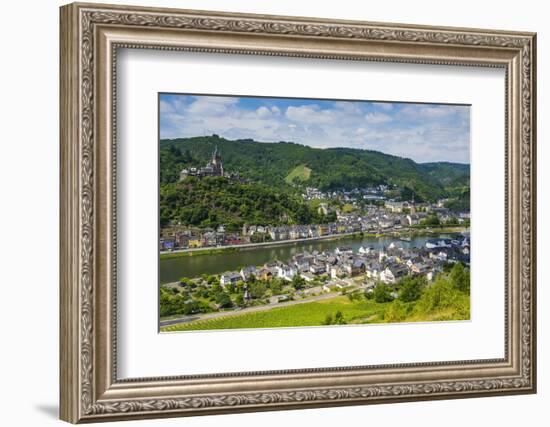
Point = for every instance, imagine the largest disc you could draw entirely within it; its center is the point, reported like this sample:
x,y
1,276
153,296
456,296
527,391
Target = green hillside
x,y
277,164
212,201
299,173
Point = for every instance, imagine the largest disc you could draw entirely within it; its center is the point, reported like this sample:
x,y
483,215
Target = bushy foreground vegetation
x,y
205,294
412,300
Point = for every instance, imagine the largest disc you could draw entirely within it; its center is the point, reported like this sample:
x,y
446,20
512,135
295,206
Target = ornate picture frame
x,y
90,37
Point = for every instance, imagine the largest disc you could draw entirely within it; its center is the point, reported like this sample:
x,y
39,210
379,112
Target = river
x,y
192,266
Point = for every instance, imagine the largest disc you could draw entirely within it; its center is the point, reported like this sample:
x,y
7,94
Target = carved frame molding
x,y
90,34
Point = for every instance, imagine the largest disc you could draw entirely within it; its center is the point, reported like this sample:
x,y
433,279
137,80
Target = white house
x,y
286,272
413,219
432,244
386,276
231,277
373,270
343,250
247,272
336,270
334,284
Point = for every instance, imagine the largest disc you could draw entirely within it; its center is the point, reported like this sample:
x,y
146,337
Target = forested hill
x,y
212,201
278,164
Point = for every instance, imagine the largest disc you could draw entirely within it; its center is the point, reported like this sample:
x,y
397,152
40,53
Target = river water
x,y
192,266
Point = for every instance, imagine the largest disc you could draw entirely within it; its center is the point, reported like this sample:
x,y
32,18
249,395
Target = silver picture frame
x,y
90,37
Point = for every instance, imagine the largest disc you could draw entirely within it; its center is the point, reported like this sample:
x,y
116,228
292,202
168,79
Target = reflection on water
x,y
192,266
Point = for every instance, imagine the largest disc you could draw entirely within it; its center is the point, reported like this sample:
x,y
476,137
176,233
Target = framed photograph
x,y
327,232
265,213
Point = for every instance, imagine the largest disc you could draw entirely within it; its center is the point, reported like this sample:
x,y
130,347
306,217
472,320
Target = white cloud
x,y
211,105
431,111
374,118
420,132
263,111
310,114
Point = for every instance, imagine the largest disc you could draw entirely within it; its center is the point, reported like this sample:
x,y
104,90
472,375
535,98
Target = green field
x,y
315,314
302,173
306,314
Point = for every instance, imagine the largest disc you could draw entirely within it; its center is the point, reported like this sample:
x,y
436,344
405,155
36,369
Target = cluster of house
x,y
367,193
387,265
393,217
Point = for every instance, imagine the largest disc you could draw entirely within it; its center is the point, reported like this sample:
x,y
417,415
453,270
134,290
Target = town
x,y
310,276
370,210
392,216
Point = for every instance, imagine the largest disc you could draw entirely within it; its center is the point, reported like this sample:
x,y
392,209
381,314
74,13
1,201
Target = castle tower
x,y
217,162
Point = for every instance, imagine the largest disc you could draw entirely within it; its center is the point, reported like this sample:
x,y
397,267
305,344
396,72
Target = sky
x,y
422,132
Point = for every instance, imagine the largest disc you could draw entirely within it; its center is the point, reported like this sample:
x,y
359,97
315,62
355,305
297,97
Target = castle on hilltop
x,y
212,168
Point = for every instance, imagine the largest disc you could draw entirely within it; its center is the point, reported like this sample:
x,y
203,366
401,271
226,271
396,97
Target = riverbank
x,y
416,231
199,251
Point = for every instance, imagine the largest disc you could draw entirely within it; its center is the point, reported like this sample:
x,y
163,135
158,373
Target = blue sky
x,y
422,132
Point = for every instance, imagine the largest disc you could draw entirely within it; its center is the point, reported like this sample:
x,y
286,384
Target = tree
x,y
330,217
447,267
339,318
184,281
430,220
452,221
239,300
190,308
211,279
276,286
216,288
396,312
328,319
411,288
223,300
460,277
298,282
257,289
442,295
231,288
382,293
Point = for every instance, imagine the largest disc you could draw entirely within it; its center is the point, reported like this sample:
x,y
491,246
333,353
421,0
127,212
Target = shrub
x,y
397,312
223,300
411,288
460,278
339,318
444,295
328,320
382,293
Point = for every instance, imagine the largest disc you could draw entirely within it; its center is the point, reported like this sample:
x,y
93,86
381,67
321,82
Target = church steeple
x,y
212,168
217,162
